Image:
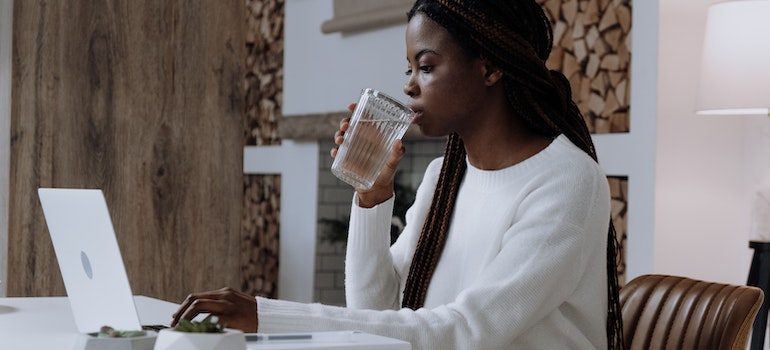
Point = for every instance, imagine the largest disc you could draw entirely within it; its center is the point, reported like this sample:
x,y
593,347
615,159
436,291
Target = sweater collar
x,y
492,179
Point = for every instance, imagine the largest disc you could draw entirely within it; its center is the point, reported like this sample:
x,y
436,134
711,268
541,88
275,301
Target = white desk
x,y
47,323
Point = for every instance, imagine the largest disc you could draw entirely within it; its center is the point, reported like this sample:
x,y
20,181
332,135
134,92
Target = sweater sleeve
x,y
371,281
375,270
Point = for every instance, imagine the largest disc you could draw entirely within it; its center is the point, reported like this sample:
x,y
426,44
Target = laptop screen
x,y
89,259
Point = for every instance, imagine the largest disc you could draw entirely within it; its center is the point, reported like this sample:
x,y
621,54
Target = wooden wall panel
x,y
143,99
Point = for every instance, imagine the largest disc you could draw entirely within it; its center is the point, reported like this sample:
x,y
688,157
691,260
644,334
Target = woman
x,y
509,243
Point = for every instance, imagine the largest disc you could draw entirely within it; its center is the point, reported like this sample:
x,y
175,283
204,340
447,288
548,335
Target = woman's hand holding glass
x,y
382,189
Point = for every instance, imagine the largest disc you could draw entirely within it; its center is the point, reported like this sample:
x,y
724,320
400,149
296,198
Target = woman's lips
x,y
416,115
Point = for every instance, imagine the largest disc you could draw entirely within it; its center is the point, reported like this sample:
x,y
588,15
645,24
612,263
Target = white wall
x,y
633,153
705,168
6,20
325,73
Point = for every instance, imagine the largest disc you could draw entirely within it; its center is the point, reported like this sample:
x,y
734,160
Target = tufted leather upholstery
x,y
670,312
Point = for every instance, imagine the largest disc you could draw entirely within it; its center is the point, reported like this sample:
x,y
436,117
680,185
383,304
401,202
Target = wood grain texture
x,y
144,100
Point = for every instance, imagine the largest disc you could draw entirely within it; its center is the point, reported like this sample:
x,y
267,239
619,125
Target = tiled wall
x,y
334,199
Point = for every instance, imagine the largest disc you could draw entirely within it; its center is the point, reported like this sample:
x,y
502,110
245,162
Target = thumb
x,y
383,186
388,174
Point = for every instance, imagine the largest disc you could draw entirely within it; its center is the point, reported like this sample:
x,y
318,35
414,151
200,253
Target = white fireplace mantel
x,y
299,199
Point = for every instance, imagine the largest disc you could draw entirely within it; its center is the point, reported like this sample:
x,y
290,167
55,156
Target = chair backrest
x,y
671,312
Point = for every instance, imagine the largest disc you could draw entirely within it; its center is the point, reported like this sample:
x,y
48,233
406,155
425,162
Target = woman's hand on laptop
x,y
233,309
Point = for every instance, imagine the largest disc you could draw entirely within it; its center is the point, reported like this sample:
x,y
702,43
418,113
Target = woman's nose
x,y
410,89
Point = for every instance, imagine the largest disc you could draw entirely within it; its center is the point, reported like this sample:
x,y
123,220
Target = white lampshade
x,y
735,71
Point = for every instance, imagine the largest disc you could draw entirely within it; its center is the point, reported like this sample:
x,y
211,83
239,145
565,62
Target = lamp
x,y
735,70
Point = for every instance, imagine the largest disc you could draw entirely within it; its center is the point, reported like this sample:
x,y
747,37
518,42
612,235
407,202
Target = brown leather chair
x,y
670,312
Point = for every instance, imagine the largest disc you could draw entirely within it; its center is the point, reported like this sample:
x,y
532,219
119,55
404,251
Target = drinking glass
x,y
377,122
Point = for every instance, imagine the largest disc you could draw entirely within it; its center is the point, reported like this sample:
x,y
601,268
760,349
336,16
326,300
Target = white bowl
x,y
90,341
230,339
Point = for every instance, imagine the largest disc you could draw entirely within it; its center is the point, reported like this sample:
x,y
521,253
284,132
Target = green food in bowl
x,y
109,332
205,326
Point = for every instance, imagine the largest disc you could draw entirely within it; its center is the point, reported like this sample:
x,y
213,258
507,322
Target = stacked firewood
x,y
619,195
592,47
263,83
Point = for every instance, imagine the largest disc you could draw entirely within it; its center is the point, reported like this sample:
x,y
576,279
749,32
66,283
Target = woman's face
x,y
445,85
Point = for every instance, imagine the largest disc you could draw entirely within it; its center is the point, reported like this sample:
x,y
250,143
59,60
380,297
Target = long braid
x,y
614,317
434,231
516,37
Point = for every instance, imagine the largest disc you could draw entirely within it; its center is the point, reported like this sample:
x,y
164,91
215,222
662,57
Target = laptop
x,y
100,294
89,259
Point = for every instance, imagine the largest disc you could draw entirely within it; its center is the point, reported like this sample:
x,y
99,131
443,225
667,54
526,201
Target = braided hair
x,y
516,37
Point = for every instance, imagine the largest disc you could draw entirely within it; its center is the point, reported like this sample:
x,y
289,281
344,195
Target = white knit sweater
x,y
524,265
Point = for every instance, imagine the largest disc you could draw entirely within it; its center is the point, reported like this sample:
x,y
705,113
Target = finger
x,y
183,308
188,314
192,299
383,186
391,165
222,300
218,308
396,155
232,295
352,107
339,135
344,125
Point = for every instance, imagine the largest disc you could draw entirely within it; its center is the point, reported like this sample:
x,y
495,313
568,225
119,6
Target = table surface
x,y
47,323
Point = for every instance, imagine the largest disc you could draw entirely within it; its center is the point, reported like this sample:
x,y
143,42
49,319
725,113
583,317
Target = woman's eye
x,y
424,69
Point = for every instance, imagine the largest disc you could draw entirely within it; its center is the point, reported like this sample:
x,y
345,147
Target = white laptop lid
x,y
89,259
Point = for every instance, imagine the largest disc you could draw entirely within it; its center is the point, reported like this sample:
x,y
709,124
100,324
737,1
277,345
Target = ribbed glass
x,y
377,122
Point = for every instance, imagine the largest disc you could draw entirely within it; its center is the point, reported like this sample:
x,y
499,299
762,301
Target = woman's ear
x,y
492,74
